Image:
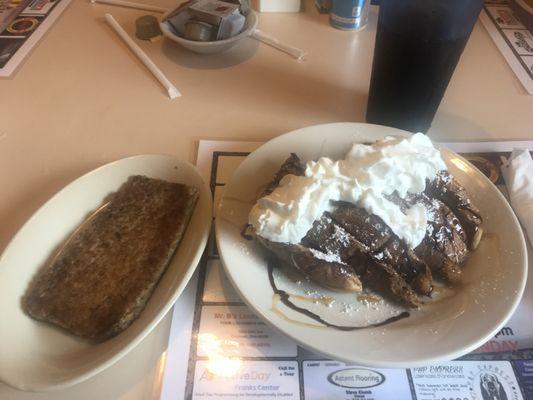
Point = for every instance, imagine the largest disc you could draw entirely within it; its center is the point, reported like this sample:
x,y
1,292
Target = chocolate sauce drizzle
x,y
285,299
244,233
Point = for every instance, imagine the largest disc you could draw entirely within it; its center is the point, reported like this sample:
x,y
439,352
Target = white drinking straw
x,y
131,4
171,89
272,41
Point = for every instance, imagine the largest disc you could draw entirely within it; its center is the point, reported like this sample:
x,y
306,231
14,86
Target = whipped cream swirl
x,y
367,173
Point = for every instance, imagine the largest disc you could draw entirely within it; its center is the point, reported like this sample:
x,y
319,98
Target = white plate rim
x,y
369,362
158,316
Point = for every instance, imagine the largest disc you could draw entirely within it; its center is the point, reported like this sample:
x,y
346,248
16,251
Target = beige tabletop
x,y
82,99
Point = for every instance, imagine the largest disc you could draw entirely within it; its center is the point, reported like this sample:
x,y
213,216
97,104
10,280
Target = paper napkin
x,y
517,171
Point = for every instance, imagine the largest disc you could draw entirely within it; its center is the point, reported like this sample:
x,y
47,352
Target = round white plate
x,y
35,355
494,277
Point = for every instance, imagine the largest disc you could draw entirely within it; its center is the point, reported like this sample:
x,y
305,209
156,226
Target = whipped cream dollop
x,y
367,173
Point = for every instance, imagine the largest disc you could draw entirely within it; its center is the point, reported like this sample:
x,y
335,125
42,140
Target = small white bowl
x,y
217,46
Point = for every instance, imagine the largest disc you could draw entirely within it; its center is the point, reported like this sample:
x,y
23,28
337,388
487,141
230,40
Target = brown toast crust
x,y
104,274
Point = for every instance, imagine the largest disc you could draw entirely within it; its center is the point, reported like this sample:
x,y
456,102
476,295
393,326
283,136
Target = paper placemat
x,y
218,349
22,25
512,38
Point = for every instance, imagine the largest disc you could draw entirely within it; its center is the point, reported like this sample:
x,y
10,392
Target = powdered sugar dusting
x,y
330,257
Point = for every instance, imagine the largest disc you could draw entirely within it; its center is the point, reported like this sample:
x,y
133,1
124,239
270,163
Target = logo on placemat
x,y
356,378
490,382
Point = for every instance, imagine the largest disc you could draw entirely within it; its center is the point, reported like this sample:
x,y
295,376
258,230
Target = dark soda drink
x,y
418,45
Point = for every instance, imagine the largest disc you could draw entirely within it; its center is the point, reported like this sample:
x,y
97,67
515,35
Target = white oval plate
x,y
35,355
494,277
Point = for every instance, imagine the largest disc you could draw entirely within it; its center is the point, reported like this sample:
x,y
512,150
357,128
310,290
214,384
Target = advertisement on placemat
x,y
22,24
335,380
467,380
512,38
252,379
9,10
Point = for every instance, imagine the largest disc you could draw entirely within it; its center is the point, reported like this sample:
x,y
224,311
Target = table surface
x,y
82,99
